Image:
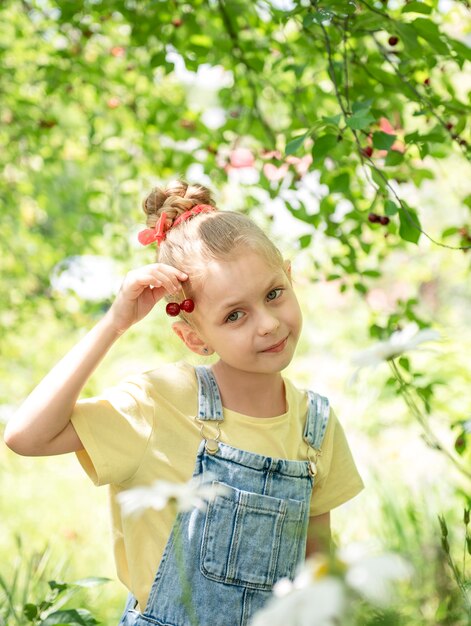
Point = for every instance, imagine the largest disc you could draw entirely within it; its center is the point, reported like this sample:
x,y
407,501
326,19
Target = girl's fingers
x,y
158,279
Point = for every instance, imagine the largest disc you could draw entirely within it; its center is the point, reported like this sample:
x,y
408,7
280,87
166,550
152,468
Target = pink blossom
x,y
274,173
271,154
241,157
386,127
301,165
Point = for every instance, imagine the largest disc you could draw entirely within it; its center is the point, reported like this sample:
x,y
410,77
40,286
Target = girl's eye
x,y
230,317
275,291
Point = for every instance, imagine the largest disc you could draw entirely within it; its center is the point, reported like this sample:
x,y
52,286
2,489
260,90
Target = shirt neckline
x,y
265,420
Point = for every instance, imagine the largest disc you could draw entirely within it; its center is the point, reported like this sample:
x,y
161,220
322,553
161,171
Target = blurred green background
x,y
317,119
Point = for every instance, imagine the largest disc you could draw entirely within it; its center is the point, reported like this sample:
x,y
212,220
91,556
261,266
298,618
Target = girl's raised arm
x,y
42,426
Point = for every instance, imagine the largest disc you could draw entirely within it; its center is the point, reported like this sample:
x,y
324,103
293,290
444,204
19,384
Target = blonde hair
x,y
205,237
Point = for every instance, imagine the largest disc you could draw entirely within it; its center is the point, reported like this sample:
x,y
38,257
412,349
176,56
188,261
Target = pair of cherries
x,y
173,308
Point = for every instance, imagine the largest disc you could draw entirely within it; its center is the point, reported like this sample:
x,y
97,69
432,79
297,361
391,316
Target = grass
x,y
51,515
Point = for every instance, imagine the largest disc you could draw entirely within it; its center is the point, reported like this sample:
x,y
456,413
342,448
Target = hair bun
x,y
175,199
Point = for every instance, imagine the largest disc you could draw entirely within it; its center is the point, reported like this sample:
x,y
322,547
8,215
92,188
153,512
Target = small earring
x,y
205,350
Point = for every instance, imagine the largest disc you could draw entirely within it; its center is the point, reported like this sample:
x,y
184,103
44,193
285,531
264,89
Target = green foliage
x,y
27,597
95,104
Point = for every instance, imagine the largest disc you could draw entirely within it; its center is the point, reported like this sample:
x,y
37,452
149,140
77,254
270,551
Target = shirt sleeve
x,y
337,479
114,429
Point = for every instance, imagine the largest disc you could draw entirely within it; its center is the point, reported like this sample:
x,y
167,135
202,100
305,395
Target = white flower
x,y
318,598
399,342
195,493
214,118
319,604
373,575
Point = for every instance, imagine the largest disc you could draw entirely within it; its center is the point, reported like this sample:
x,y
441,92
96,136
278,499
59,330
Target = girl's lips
x,y
278,347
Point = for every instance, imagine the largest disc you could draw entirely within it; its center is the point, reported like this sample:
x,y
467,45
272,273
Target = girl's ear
x,y
287,268
191,339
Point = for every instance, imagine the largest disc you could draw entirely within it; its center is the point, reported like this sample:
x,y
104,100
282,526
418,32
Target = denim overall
x,y
220,564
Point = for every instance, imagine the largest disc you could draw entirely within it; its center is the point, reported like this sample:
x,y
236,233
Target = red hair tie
x,y
159,232
149,235
199,208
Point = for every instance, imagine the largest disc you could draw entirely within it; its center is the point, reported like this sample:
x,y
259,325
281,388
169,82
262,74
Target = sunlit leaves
x,y
409,228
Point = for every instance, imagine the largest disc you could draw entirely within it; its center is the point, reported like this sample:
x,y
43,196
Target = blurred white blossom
x,y
91,277
319,604
194,493
324,590
373,575
399,342
213,118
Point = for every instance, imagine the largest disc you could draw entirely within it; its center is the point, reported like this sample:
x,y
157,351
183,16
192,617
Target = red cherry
x,y
427,81
373,217
449,125
173,309
368,151
187,305
393,40
177,22
384,219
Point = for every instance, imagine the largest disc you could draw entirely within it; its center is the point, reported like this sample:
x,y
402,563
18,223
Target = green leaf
x,y
390,208
91,581
361,119
383,141
360,287
317,17
409,224
305,241
341,183
448,232
462,50
70,617
294,145
322,146
30,611
371,273
333,119
308,20
417,7
362,105
409,37
404,362
394,157
430,32
201,41
379,177
467,201
60,587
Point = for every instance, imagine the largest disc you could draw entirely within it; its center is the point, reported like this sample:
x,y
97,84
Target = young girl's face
x,y
247,312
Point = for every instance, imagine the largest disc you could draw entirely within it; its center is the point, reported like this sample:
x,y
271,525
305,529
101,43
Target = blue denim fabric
x,y
220,564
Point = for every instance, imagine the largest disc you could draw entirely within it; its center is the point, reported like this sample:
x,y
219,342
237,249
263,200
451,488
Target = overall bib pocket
x,y
250,539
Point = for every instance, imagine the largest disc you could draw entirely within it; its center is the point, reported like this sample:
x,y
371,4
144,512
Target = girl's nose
x,y
267,323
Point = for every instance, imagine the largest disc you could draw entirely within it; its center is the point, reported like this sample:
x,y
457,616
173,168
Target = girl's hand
x,y
142,288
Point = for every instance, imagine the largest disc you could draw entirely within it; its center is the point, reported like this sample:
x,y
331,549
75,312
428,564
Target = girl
x,y
280,451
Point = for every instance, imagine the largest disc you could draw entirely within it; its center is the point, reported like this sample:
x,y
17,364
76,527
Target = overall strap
x,y
317,418
209,398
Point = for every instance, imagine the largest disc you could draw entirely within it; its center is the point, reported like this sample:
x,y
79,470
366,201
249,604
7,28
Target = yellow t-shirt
x,y
145,429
